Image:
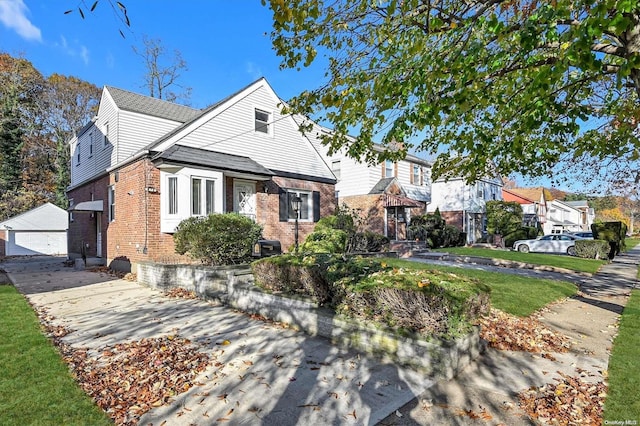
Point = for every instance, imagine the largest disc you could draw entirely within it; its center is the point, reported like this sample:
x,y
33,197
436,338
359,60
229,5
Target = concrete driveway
x,y
270,375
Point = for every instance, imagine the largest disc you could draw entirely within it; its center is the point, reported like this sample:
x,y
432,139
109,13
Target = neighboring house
x,y
568,216
386,195
533,201
143,165
464,205
42,230
587,214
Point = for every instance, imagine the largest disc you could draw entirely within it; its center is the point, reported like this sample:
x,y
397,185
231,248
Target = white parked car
x,y
554,243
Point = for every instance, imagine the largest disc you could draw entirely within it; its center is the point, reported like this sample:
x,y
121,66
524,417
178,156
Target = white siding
x,y
456,195
232,131
138,130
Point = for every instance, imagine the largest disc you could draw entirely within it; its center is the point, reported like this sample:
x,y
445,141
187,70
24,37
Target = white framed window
x,y
262,121
112,203
91,144
336,168
105,135
480,189
416,174
305,205
388,168
172,195
78,154
202,196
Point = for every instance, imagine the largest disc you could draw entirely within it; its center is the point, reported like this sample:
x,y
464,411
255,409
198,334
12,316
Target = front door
x,y
244,198
98,234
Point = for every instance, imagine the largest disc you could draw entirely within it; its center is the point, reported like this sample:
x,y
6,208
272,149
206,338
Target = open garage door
x,y
25,243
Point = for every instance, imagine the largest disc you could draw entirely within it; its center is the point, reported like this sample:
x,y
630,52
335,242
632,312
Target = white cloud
x,y
80,51
13,16
253,70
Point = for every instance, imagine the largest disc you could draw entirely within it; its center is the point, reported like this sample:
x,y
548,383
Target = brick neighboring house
x,y
386,194
143,165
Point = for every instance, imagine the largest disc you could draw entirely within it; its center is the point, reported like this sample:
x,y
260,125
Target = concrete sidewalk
x,y
270,375
276,376
486,392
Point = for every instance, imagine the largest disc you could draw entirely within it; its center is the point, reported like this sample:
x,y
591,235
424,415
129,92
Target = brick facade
x,y
135,235
4,235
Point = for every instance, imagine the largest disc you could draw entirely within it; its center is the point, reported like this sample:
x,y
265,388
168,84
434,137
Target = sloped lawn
x,y
573,263
36,387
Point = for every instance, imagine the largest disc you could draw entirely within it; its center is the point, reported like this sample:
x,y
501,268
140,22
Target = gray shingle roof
x,y
382,185
135,102
217,160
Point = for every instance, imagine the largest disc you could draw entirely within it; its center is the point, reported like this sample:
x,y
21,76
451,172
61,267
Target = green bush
x,y
295,275
217,239
503,217
426,302
523,233
339,234
592,249
613,232
428,227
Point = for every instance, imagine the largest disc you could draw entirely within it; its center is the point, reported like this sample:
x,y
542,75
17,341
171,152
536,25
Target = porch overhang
x,y
392,200
88,206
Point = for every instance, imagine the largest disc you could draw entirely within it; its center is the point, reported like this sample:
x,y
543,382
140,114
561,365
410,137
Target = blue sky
x,y
225,43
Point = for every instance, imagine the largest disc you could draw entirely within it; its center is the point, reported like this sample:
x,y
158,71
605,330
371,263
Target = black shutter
x,y
316,206
284,211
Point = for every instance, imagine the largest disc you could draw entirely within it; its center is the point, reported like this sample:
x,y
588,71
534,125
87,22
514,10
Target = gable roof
x,y
219,160
384,184
47,217
142,104
532,193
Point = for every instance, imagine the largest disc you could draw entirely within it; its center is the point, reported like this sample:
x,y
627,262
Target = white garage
x,y
42,230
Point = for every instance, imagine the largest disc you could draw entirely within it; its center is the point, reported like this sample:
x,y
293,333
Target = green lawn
x,y
560,261
514,294
36,387
622,401
631,243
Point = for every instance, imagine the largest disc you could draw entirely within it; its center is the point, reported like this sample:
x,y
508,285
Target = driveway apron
x,y
261,373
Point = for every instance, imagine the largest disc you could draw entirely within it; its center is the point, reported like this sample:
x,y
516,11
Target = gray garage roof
x,y
179,154
47,217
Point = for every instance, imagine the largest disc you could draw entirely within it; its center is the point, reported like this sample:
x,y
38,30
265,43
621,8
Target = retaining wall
x,y
234,287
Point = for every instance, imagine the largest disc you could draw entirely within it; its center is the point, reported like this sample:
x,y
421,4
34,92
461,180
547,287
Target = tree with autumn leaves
x,y
38,116
519,85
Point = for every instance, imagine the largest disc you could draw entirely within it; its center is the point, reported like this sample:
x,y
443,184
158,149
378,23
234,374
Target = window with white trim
x,y
90,144
78,154
202,196
112,203
105,135
262,119
305,205
172,186
336,168
417,174
388,168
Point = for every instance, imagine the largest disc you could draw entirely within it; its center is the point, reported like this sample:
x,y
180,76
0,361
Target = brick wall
x,y
268,208
135,236
371,210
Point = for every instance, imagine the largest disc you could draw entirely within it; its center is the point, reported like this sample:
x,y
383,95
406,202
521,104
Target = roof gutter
x,y
131,159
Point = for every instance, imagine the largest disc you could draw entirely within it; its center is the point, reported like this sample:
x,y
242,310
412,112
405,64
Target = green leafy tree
x,y
504,83
503,217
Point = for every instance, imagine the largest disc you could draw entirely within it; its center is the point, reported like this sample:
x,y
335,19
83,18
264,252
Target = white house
x,y
568,216
464,205
42,230
386,194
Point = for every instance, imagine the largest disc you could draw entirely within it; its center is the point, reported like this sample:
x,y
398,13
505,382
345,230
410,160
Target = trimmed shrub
x,y
430,303
295,275
325,240
524,233
593,249
366,241
426,302
427,227
217,239
613,232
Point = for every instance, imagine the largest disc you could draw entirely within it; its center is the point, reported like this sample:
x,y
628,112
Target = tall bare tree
x,y
163,71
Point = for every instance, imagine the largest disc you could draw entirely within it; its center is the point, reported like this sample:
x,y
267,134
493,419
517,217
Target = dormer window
x,y
262,119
